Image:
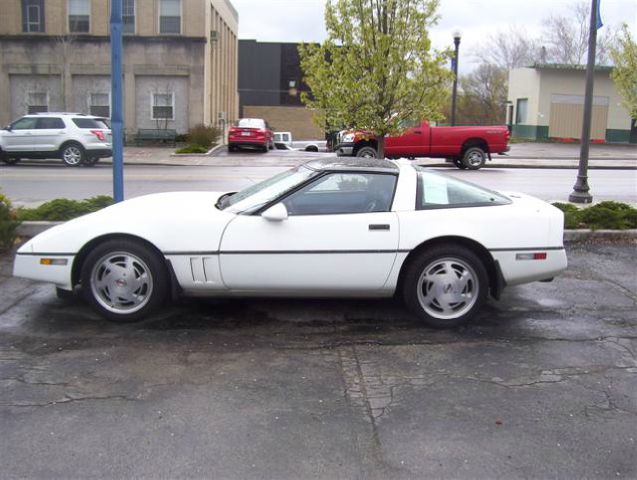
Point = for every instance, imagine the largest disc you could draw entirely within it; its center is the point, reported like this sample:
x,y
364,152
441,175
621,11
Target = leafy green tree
x,y
377,67
624,74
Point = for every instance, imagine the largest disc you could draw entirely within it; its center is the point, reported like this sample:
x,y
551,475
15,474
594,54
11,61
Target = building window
x,y
32,16
128,17
521,110
99,104
79,16
170,16
37,102
163,106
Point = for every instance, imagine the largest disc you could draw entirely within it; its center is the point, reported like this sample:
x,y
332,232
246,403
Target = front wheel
x,y
474,158
445,286
124,280
367,152
7,159
72,154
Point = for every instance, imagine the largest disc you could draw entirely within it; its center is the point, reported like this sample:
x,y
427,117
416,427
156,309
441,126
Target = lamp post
x,y
457,34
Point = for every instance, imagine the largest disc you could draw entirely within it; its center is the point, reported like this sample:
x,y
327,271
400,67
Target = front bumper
x,y
345,149
27,265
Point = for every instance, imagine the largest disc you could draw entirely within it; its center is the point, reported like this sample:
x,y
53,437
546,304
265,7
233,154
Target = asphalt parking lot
x,y
542,385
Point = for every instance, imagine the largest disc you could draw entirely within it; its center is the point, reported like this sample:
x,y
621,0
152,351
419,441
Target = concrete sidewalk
x,y
521,156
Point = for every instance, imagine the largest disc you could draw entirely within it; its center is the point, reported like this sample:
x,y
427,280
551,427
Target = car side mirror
x,y
8,128
276,213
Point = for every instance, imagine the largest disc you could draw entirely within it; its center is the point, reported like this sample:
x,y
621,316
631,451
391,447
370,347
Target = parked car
x,y
251,132
75,138
330,227
467,147
283,137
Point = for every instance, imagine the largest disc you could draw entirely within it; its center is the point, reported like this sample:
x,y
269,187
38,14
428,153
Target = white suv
x,y
75,138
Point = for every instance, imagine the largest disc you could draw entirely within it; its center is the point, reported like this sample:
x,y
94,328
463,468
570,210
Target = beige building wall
x,y
297,120
525,83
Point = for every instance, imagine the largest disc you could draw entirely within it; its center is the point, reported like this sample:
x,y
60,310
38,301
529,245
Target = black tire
x,y
107,285
311,148
445,286
367,152
7,159
232,148
474,158
72,154
91,161
458,163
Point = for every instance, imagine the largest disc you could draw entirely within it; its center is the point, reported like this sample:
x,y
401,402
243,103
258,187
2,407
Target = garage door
x,y
567,113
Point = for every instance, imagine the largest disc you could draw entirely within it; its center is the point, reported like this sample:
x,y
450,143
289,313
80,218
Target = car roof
x,y
352,163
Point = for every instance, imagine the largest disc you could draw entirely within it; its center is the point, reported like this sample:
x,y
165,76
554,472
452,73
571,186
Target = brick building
x,y
180,60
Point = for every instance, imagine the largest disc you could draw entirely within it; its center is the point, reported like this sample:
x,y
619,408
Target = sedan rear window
x,y
251,123
441,191
89,123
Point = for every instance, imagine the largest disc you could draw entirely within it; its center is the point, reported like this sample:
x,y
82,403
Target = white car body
x,y
216,252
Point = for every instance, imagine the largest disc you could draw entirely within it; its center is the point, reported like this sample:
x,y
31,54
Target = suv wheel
x,y
8,160
91,161
72,154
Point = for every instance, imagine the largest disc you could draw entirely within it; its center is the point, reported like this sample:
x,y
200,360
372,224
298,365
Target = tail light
x,y
99,134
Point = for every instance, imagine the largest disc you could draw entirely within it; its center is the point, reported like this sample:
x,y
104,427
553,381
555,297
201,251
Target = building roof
x,y
562,66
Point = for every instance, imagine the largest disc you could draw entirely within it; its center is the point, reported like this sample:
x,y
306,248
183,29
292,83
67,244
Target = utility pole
x,y
117,123
456,41
581,189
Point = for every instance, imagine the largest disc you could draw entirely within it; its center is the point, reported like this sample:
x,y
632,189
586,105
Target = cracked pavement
x,y
543,384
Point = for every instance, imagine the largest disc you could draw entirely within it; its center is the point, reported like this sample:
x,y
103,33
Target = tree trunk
x,y
381,146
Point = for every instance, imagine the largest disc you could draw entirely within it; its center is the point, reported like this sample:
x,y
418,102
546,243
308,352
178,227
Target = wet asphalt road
x,y
542,385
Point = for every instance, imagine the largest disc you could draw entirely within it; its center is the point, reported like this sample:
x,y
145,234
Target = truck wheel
x,y
474,158
367,152
458,163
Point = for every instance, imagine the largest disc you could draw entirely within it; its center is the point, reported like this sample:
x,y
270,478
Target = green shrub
x,y
62,209
8,224
192,149
203,136
604,215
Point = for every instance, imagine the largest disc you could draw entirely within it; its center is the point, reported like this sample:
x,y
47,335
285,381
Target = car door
x,y
19,138
413,142
47,134
339,236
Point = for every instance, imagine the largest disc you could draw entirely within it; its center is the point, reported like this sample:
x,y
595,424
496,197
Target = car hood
x,y
171,221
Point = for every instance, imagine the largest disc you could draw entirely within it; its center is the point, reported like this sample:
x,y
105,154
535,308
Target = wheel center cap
x,y
120,282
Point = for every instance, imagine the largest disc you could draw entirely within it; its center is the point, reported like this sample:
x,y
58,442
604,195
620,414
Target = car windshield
x,y
251,198
441,191
251,123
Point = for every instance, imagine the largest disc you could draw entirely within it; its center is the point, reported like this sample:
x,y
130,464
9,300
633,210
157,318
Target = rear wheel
x,y
458,163
72,154
91,161
474,158
446,285
367,152
124,280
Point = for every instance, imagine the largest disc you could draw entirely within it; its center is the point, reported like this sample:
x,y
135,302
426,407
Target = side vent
x,y
205,270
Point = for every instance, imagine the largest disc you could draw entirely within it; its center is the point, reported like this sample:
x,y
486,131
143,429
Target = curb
x,y
32,228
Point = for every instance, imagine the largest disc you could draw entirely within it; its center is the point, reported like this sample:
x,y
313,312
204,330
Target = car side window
x,y
340,193
45,123
438,191
26,123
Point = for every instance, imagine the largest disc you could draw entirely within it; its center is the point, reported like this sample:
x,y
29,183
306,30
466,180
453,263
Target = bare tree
x,y
483,96
510,49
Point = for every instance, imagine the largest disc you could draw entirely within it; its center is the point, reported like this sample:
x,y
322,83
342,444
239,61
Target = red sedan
x,y
251,132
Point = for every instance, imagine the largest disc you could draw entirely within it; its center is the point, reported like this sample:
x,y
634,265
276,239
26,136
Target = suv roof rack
x,y
59,113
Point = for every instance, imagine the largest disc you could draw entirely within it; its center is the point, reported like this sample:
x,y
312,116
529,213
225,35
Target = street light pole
x,y
117,121
581,189
456,41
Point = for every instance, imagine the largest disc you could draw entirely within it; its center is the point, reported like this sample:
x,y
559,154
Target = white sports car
x,y
331,227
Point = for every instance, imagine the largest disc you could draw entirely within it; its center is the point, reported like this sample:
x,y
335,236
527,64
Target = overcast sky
x,y
302,20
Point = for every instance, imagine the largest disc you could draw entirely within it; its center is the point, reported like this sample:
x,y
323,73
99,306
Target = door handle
x,y
378,226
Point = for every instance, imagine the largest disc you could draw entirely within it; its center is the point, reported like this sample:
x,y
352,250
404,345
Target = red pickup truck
x,y
467,147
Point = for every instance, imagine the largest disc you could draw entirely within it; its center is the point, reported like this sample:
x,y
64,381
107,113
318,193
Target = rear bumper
x,y
247,141
516,271
99,152
345,149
